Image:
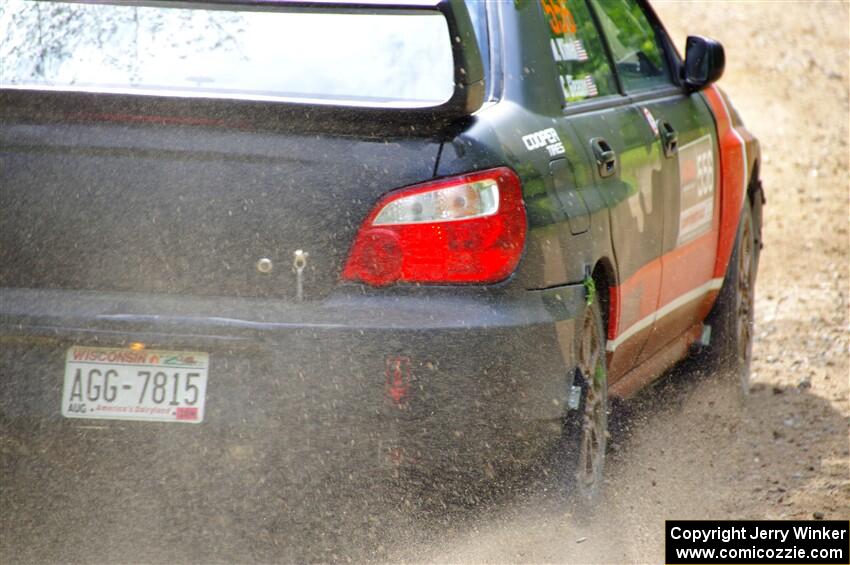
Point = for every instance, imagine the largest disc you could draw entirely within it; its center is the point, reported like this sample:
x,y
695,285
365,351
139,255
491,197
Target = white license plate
x,y
125,384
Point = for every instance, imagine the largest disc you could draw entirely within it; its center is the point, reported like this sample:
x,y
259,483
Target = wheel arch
x,y
755,193
605,279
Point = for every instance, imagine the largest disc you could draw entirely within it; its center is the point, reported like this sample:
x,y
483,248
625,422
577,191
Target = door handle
x,y
606,158
669,138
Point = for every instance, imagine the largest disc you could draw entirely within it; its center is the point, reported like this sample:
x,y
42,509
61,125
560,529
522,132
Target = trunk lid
x,y
118,193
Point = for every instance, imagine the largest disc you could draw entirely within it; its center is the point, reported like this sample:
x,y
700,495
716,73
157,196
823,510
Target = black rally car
x,y
421,233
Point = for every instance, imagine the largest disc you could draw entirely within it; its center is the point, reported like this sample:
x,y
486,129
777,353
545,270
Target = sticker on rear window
x,y
579,88
566,49
559,16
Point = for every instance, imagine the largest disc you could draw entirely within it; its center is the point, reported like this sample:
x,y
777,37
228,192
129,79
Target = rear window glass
x,y
402,59
577,49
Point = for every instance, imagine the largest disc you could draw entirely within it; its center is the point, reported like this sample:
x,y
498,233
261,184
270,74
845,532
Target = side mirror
x,y
704,62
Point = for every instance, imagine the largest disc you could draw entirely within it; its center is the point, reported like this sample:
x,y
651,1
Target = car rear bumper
x,y
299,397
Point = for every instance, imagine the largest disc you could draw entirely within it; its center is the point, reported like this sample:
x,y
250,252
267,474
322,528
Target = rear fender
x,y
738,153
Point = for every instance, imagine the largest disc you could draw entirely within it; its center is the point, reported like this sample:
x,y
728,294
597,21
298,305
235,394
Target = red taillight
x,y
466,229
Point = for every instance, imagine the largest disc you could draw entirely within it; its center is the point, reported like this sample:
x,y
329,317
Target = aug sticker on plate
x,y
125,384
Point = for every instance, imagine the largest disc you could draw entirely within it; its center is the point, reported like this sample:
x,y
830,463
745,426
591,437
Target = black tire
x,y
585,434
730,350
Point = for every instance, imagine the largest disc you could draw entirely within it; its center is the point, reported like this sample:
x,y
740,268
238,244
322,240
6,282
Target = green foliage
x,y
590,290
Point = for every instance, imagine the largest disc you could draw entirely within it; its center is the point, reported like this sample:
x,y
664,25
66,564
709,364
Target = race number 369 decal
x,y
696,178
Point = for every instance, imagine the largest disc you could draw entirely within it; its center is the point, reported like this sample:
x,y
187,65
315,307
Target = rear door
x,y
626,169
682,127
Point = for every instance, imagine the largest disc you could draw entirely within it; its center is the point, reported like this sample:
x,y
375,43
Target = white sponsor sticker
x,y
547,138
696,181
651,121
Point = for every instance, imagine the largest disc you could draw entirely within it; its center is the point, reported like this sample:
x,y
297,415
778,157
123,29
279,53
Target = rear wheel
x,y
586,429
732,320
